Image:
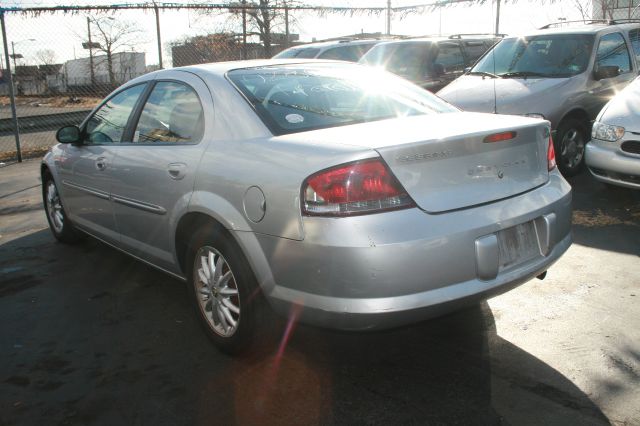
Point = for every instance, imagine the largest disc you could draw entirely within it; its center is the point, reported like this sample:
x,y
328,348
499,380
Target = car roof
x,y
582,29
433,39
221,68
323,44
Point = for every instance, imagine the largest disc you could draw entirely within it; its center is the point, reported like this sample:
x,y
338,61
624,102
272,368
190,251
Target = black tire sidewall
x,y
566,125
69,234
251,303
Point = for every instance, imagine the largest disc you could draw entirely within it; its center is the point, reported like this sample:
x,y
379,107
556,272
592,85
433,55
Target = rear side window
x,y
172,114
634,36
612,51
108,123
450,55
474,50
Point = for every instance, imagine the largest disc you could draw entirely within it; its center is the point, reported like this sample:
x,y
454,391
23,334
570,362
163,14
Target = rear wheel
x,y
60,225
225,293
571,138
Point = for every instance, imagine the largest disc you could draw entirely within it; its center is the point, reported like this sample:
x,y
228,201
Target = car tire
x,y
61,227
225,294
571,139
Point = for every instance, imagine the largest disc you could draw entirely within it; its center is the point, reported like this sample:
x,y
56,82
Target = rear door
x,y
156,170
87,170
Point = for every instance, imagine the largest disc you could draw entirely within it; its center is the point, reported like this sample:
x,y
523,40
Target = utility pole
x,y
388,17
13,55
155,7
92,72
286,25
244,30
497,17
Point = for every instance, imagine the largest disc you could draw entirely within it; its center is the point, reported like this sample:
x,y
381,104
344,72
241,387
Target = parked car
x,y
341,50
429,62
349,192
562,74
613,154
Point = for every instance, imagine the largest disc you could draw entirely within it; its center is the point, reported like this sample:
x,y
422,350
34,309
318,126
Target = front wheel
x,y
225,292
60,225
571,138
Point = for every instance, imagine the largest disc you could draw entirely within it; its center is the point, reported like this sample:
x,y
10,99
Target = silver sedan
x,y
613,155
332,193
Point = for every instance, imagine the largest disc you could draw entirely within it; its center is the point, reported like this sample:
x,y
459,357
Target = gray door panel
x,y
156,173
86,175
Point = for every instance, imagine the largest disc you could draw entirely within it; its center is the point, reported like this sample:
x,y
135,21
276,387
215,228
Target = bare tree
x,y
46,57
112,36
263,18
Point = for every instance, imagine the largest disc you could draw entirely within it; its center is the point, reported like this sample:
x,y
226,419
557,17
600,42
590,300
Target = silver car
x,y
332,192
564,74
613,155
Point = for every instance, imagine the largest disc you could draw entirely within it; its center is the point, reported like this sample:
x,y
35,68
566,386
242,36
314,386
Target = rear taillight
x,y
551,155
352,189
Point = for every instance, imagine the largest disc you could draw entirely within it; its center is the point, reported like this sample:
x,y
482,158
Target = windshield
x,y
296,98
408,60
557,55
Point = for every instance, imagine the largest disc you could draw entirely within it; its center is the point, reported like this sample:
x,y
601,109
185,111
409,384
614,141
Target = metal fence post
x,y
14,114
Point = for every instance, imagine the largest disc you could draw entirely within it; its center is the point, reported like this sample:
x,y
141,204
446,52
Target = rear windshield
x,y
302,53
554,55
409,60
296,98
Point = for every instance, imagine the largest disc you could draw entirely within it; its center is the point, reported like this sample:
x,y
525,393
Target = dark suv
x,y
429,62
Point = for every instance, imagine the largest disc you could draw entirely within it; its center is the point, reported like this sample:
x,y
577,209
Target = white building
x,y
126,65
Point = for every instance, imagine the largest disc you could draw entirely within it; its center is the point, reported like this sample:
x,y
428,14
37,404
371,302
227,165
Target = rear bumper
x,y
390,269
609,165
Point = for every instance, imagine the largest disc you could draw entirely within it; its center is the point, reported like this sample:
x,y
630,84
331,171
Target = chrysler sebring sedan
x,y
334,193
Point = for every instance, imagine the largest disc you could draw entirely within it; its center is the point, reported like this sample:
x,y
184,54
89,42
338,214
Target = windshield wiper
x,y
483,73
524,74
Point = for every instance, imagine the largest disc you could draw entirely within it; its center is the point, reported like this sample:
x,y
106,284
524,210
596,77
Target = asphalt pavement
x,y
89,336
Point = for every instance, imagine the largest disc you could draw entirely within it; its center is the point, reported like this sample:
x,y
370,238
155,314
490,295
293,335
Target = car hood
x,y
624,109
503,95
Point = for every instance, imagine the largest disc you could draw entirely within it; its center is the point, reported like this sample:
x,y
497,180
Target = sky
x,y
64,33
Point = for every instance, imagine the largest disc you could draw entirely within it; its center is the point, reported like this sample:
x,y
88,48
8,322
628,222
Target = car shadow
x,y
605,217
90,336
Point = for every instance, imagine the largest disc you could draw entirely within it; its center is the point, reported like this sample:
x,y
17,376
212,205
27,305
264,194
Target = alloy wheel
x,y
54,207
572,148
216,291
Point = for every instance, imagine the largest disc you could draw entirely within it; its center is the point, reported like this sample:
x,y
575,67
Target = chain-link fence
x,y
61,61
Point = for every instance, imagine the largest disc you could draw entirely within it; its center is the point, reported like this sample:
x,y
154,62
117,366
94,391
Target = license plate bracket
x,y
517,245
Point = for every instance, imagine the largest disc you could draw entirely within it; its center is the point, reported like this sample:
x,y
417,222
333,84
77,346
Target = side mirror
x,y
467,69
68,134
438,69
606,71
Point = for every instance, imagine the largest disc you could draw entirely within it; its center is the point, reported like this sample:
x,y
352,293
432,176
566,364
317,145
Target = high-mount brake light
x,y
551,155
500,137
351,189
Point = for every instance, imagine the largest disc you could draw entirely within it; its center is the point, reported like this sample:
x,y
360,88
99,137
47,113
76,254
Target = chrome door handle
x,y
101,163
177,171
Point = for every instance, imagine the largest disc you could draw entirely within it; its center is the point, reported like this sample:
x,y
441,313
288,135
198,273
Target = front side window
x,y
297,98
172,114
107,125
553,56
474,50
612,51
